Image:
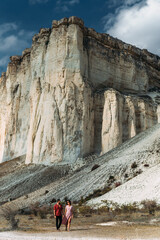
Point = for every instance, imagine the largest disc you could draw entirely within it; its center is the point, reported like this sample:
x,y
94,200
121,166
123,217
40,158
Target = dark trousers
x,y
58,221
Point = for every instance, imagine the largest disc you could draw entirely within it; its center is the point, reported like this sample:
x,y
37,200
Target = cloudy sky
x,y
133,21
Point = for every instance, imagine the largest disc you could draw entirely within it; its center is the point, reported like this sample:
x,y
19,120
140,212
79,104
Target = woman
x,y
68,214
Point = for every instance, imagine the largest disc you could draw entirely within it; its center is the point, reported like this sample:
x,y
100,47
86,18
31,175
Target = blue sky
x,y
133,21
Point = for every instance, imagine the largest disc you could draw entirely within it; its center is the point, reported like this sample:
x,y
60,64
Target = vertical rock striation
x,y
73,93
125,116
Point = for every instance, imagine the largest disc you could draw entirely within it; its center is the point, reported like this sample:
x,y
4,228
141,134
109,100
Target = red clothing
x,y
58,210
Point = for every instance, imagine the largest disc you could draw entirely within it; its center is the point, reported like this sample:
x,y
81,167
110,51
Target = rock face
x,y
75,92
125,116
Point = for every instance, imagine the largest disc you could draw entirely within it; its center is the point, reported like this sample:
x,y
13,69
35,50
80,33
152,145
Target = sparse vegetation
x,y
139,171
10,216
117,184
129,208
103,209
82,200
97,193
43,211
111,177
118,209
146,165
34,208
95,167
53,200
46,191
150,205
85,210
134,165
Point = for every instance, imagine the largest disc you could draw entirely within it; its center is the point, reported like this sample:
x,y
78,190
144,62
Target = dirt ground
x,y
34,228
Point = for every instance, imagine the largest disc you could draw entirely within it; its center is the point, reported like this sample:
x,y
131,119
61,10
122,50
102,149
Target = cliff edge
x,y
75,92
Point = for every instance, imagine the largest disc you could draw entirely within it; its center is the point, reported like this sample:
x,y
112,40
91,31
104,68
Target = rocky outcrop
x,y
124,116
56,103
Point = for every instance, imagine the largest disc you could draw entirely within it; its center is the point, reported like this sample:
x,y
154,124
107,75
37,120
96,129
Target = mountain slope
x,y
146,186
135,157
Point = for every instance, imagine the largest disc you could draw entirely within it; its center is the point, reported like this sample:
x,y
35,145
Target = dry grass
x,y
10,216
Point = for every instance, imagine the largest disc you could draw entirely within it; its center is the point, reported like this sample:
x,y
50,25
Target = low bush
x,y
134,165
117,184
34,208
118,209
139,171
43,211
95,167
85,210
75,210
25,211
82,200
150,205
53,200
103,209
10,216
129,208
97,193
111,177
146,165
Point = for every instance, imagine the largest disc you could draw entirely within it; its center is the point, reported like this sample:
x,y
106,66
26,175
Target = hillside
x,y
138,156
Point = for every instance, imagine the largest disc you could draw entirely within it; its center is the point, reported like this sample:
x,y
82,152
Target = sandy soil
x,y
120,233
82,228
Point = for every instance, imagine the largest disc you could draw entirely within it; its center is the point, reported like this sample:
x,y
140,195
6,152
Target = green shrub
x,y
118,209
129,208
103,209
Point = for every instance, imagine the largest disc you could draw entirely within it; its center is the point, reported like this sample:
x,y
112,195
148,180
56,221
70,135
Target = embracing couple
x,y
58,212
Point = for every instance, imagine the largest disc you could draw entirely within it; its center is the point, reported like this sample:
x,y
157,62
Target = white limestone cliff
x,y
56,101
125,116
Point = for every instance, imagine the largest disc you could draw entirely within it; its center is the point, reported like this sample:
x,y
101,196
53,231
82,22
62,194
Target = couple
x,y
58,211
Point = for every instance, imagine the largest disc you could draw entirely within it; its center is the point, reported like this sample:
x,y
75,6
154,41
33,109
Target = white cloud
x,y
137,24
122,3
13,41
72,2
6,27
4,61
37,1
65,6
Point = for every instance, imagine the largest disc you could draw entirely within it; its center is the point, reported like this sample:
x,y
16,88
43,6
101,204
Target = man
x,y
58,211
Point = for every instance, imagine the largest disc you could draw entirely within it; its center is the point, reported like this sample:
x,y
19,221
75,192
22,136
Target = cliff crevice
x,y
75,92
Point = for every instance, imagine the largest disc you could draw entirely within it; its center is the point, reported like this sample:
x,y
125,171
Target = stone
x,y
125,116
75,92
